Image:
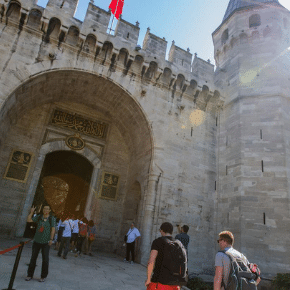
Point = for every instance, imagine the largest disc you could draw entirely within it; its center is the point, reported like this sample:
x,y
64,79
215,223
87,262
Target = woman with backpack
x,y
91,237
83,234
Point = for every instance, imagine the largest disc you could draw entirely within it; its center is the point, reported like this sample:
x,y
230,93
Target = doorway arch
x,y
51,148
64,183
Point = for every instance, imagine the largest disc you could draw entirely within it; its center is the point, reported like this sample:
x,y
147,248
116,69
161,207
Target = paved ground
x,y
102,271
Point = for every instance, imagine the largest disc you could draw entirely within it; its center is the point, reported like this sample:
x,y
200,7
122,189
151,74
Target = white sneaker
x,y
125,261
132,263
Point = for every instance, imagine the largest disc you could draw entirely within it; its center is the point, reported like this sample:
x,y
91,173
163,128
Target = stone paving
x,y
103,271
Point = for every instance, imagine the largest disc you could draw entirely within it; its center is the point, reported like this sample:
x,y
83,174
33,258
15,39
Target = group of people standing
x,y
167,265
72,234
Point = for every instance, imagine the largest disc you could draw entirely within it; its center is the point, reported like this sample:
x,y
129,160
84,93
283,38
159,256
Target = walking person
x,y
131,239
45,229
60,228
83,234
66,236
183,237
92,231
167,258
223,262
75,234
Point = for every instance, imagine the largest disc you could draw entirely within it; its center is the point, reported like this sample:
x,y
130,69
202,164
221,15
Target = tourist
x,y
183,237
75,234
66,236
43,238
167,256
60,228
223,261
131,239
83,234
92,231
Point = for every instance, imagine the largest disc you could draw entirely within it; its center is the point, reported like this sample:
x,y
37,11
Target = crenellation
x,y
96,20
202,69
180,57
154,45
127,32
62,7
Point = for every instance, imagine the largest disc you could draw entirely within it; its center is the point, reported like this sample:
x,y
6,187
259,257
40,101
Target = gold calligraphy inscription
x,y
18,166
109,186
79,124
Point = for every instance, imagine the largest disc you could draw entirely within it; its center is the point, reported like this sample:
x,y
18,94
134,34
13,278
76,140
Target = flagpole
x,y
114,16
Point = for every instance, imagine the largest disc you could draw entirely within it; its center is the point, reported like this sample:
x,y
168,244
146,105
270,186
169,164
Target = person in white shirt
x,y
132,238
75,234
66,236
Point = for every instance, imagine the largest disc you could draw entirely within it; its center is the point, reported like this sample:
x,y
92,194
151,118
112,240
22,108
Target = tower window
x,y
285,21
225,36
255,20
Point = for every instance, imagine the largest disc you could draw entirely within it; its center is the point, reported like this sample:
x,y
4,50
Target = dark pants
x,y
65,242
36,247
80,241
130,248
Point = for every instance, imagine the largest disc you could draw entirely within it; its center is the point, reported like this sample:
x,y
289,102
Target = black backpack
x,y
174,262
241,277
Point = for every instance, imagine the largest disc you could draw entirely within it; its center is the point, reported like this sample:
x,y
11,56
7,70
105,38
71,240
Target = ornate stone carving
x,y
75,142
79,124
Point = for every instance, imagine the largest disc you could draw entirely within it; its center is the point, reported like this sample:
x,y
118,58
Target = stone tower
x,y
252,57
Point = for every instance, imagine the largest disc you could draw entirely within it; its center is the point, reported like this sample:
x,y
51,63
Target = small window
x,y
128,35
225,36
285,21
255,20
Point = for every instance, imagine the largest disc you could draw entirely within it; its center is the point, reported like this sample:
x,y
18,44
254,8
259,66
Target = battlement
x,y
180,56
59,30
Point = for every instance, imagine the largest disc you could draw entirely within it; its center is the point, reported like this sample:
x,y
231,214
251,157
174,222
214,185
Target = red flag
x,y
117,7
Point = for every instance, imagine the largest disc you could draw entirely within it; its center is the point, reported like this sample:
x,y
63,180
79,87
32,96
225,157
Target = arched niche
x,y
166,76
123,56
34,19
53,29
90,43
180,81
225,36
151,71
243,38
72,36
136,66
106,52
13,11
254,20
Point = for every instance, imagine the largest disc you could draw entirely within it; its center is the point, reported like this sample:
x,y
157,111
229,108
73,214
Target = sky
x,y
189,23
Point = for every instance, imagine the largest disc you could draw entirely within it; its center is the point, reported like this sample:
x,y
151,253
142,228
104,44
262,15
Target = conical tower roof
x,y
240,4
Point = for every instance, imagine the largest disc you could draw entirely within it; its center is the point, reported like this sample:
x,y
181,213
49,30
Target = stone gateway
x,y
99,127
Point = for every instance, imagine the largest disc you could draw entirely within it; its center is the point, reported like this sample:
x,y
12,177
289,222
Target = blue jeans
x,y
36,247
65,242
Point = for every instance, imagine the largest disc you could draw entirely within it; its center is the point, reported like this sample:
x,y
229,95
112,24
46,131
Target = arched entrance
x,y
64,182
125,151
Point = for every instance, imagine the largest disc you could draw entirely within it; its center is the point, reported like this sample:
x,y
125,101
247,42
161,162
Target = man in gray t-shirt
x,y
222,261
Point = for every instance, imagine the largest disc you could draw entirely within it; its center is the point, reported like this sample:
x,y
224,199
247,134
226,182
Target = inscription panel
x,y
18,166
79,124
109,186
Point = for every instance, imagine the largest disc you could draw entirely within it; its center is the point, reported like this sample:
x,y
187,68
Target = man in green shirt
x,y
43,238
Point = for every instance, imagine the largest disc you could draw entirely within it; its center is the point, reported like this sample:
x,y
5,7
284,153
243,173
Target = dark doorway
x,y
64,183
